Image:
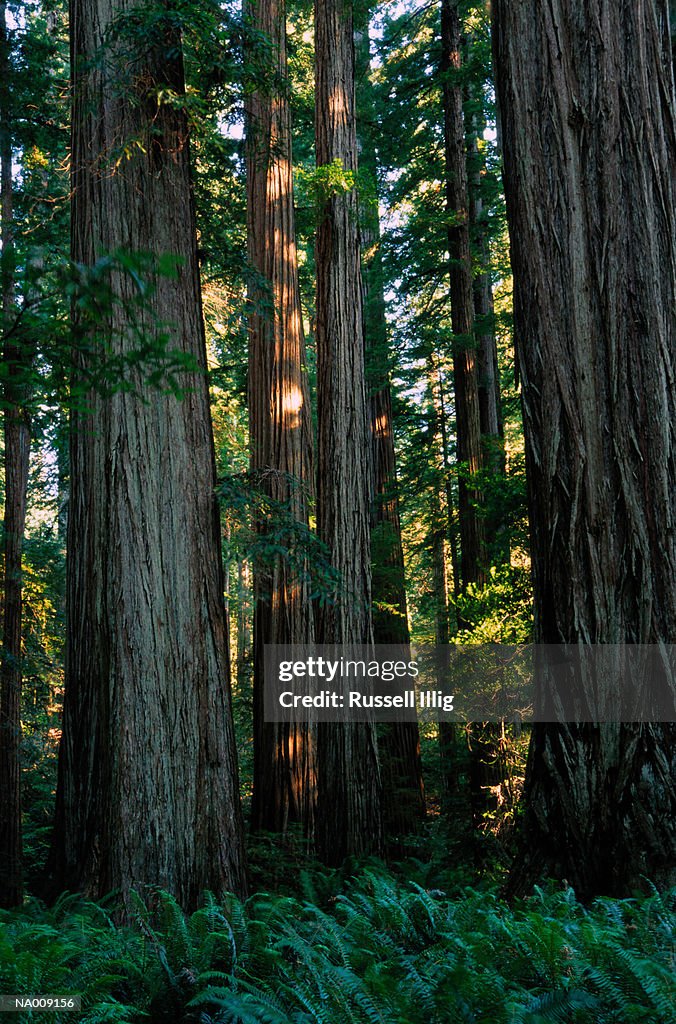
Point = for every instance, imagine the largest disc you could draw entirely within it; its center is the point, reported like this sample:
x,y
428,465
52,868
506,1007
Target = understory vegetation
x,y
364,948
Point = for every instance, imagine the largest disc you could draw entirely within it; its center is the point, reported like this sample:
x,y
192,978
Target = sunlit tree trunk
x,y
349,786
148,787
280,427
586,98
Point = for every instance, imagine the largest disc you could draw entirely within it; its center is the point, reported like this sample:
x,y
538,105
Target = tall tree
x,y
488,384
16,457
349,788
465,362
586,97
148,787
280,425
484,740
399,742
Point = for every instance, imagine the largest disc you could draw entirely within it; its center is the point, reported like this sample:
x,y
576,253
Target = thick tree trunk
x,y
398,742
465,363
349,784
586,99
280,428
148,787
16,457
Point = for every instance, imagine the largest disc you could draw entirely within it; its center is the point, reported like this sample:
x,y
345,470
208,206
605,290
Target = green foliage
x,y
284,536
377,951
208,35
321,184
42,683
121,343
71,948
501,610
115,343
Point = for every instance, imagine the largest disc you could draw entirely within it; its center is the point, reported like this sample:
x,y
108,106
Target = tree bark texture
x,y
465,362
280,428
148,788
16,458
398,742
349,785
586,98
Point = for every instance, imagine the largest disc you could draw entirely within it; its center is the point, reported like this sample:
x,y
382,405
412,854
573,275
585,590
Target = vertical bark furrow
x,y
349,788
398,742
586,98
280,426
148,789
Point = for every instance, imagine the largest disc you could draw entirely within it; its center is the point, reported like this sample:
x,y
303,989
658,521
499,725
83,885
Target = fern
x,y
655,980
377,951
557,1007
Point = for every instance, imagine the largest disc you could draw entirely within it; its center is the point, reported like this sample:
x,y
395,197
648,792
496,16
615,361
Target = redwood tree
x,y
399,742
349,788
148,788
586,96
280,425
465,361
16,463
